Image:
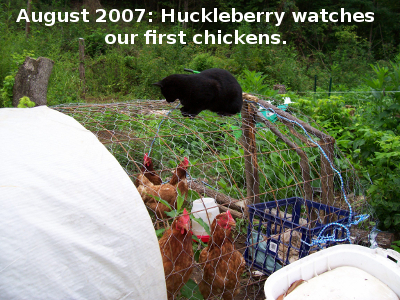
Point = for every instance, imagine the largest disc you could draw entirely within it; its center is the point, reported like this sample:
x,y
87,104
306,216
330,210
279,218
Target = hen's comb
x,y
185,161
229,214
186,215
145,157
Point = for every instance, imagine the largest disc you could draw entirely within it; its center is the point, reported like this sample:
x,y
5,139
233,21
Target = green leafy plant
x,y
160,232
95,43
386,82
241,225
396,246
394,81
253,82
19,58
191,291
377,84
179,203
25,102
6,15
6,92
383,170
204,61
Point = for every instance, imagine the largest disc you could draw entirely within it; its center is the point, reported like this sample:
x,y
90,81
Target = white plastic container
x,y
206,209
382,264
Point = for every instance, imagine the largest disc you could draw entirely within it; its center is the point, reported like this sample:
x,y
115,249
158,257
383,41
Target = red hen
x,y
222,264
177,254
148,171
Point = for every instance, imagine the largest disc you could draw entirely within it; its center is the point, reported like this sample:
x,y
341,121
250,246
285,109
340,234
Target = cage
x,y
239,160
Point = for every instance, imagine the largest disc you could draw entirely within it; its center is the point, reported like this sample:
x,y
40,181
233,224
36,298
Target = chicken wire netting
x,y
254,158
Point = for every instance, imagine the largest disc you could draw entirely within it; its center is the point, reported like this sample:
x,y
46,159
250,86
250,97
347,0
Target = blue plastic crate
x,y
275,240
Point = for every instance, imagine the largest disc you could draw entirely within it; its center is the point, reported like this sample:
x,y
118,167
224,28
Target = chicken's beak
x,y
187,227
231,222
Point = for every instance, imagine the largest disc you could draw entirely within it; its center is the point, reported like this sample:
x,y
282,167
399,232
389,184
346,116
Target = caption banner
x,y
204,16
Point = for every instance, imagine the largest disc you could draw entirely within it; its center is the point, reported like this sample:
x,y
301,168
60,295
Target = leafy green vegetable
x,y
202,223
191,291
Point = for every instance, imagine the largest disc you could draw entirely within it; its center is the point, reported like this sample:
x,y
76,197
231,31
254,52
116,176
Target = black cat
x,y
213,89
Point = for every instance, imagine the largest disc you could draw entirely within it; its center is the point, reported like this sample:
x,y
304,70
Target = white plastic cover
x,y
343,283
383,264
72,224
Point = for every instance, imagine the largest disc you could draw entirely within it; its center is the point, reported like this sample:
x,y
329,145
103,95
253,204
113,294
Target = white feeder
x,y
206,209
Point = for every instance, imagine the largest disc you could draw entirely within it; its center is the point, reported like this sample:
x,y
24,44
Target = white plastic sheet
x,y
72,224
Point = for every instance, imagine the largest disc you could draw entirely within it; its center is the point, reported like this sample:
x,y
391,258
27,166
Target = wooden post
x,y
327,195
361,237
250,153
92,6
186,9
28,24
82,66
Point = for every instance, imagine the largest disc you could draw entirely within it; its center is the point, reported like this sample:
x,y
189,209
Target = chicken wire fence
x,y
276,171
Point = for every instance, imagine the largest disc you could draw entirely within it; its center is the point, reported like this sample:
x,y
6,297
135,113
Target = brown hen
x,y
222,264
177,254
148,171
168,192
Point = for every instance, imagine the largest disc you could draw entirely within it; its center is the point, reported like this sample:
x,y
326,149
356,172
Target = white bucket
x,y
380,263
206,209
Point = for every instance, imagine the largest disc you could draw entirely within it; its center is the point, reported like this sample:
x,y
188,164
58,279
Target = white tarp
x,y
72,224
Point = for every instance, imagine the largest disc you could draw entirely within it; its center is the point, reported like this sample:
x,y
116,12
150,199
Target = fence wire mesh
x,y
253,158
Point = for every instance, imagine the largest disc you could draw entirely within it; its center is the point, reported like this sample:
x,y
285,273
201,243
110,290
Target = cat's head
x,y
170,87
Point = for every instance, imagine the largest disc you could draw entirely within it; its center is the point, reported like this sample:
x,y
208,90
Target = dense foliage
x,y
367,129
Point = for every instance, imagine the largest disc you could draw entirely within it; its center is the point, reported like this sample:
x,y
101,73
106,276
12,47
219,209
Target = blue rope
x,y
321,239
159,126
158,130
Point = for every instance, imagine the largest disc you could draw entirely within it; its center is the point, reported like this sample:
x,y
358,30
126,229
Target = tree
x,y
91,6
32,80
